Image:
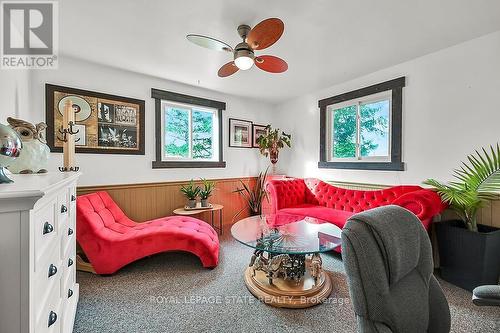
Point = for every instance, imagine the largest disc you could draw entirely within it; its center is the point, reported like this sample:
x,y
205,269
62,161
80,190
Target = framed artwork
x,y
106,124
240,133
257,131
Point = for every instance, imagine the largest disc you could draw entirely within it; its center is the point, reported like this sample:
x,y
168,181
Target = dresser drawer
x,y
51,317
68,237
72,199
68,282
47,280
69,261
46,229
63,205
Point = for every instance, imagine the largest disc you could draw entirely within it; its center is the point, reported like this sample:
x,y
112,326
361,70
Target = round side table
x,y
212,210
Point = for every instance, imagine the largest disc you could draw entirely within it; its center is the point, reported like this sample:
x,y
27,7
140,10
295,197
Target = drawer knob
x,y
52,270
70,262
52,318
47,228
73,197
64,209
70,231
70,293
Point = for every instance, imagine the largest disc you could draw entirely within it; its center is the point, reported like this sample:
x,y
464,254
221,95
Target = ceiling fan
x,y
263,35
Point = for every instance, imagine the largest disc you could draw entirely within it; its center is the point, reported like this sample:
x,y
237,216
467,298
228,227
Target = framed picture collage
x,y
244,133
104,123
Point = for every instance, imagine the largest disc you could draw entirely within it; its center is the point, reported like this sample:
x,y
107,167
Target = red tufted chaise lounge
x,y
111,240
315,198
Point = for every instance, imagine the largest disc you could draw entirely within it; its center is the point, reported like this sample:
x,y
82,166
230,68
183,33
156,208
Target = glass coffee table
x,y
286,267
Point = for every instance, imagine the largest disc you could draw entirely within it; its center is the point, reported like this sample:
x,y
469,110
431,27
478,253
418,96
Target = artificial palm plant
x,y
477,181
254,196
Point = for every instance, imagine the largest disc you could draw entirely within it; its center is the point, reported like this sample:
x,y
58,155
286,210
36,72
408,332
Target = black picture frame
x,y
396,163
234,122
138,129
159,95
256,127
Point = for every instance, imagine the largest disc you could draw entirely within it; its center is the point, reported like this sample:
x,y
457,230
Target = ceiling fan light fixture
x,y
244,62
243,56
260,37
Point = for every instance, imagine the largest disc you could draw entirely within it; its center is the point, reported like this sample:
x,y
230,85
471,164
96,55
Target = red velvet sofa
x,y
315,198
111,240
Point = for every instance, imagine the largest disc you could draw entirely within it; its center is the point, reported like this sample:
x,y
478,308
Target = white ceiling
x,y
325,41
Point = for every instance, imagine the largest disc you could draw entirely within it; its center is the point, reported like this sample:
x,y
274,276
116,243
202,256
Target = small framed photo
x,y
257,132
240,133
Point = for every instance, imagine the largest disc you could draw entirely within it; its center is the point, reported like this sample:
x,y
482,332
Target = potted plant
x,y
191,191
271,143
206,191
468,252
254,196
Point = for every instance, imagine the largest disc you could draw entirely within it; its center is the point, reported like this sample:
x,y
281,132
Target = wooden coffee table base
x,y
288,294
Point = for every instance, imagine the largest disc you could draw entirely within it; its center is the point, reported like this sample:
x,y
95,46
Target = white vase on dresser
x,y
38,289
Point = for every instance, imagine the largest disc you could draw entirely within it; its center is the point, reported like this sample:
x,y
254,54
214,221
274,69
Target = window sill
x,y
188,164
388,166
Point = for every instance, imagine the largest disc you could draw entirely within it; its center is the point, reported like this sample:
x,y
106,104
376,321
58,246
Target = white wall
x,y
450,108
14,94
122,169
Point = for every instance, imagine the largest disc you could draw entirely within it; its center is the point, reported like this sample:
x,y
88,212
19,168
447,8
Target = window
x,y
362,129
188,131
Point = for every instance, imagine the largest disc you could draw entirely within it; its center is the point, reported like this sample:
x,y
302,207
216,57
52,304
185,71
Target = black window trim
x,y
396,164
160,95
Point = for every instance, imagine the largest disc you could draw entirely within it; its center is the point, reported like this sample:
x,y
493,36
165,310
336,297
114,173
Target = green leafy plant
x,y
208,188
272,142
254,196
190,190
477,181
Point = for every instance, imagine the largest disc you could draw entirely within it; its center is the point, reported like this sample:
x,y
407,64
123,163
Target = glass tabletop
x,y
287,234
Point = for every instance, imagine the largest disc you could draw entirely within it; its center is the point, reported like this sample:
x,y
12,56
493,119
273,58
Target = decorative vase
x,y
10,147
204,202
273,155
191,203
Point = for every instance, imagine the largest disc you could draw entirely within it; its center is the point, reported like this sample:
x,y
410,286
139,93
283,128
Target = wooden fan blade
x,y
209,43
228,69
265,34
271,64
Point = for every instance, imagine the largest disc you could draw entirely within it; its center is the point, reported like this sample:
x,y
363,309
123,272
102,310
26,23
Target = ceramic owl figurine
x,y
34,157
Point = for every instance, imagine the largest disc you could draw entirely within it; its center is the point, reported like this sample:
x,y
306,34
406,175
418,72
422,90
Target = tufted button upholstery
x,y
111,240
299,196
288,192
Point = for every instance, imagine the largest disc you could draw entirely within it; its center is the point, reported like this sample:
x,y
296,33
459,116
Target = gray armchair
x,y
388,260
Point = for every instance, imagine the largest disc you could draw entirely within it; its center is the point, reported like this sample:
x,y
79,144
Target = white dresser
x,y
38,290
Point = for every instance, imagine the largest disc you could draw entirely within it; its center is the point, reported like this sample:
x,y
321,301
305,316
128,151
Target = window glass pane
x,y
375,128
176,132
203,134
344,132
